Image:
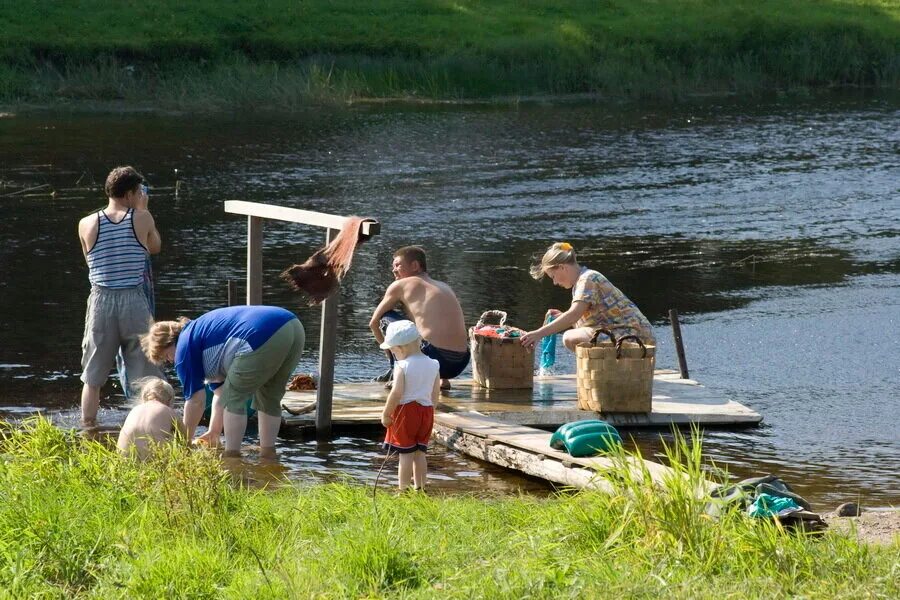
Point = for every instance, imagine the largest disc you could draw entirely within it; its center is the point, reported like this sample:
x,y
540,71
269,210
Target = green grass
x,y
284,53
76,520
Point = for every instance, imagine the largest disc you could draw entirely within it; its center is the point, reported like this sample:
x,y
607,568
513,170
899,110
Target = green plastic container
x,y
586,438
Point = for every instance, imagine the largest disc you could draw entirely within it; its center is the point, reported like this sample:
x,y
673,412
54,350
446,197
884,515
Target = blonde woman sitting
x,y
152,421
596,303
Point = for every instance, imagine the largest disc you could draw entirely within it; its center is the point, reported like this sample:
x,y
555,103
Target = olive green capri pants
x,y
264,373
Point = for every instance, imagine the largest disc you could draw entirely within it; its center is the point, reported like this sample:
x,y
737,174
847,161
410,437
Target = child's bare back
x,y
152,421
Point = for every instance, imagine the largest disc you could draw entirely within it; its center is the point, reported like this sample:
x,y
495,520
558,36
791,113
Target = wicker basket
x,y
615,376
500,363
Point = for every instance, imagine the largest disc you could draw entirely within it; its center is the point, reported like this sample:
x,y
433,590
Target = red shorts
x,y
411,429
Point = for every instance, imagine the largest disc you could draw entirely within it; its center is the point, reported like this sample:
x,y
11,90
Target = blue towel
x,y
767,505
548,348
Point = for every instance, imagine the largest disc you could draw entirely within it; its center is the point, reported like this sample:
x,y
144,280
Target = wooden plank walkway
x,y
528,450
550,403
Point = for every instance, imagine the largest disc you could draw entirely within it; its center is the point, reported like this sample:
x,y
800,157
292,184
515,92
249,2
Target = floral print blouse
x,y
609,308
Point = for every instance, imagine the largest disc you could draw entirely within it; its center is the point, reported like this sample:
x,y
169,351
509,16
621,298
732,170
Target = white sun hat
x,y
399,333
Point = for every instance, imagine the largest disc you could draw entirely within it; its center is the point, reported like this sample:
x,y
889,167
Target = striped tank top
x,y
118,259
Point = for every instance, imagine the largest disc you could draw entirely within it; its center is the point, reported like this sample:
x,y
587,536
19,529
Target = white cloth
x,y
419,374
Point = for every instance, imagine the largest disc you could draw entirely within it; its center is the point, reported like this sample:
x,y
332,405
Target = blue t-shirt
x,y
208,344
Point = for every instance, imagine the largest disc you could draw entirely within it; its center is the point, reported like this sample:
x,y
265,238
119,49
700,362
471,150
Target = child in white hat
x,y
409,411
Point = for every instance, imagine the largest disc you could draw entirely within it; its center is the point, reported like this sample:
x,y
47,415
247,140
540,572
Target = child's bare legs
x,y
268,426
420,470
405,471
235,427
212,437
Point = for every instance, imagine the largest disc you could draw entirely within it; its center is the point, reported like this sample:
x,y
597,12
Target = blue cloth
x,y
767,505
208,344
548,347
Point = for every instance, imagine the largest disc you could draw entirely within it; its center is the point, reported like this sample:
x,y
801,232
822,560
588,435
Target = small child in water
x,y
152,421
409,411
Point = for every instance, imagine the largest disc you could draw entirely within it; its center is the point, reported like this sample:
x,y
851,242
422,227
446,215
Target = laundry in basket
x,y
499,360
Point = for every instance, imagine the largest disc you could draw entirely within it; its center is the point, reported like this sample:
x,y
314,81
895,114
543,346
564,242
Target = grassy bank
x,y
281,53
76,520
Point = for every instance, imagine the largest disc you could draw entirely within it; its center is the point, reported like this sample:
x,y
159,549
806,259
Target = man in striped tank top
x,y
116,242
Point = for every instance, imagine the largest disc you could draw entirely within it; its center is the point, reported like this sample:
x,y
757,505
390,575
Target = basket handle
x,y
606,332
491,313
630,337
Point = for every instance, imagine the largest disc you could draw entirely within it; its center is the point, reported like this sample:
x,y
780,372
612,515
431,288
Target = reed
x,y
77,520
281,54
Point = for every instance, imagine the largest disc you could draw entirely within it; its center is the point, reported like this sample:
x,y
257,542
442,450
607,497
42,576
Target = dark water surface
x,y
772,227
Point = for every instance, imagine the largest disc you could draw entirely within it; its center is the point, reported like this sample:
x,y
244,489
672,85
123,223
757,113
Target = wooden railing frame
x,y
256,212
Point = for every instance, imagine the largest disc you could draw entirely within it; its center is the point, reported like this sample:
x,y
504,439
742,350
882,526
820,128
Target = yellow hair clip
x,y
565,246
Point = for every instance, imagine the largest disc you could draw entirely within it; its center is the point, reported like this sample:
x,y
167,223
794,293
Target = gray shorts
x,y
115,319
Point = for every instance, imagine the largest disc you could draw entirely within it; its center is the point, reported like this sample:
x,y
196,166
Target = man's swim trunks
x,y
452,362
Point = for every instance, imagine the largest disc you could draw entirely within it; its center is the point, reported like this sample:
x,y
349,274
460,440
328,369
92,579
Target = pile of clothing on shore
x,y
768,497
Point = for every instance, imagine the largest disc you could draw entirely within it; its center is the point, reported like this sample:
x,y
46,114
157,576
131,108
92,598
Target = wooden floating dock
x,y
495,425
550,403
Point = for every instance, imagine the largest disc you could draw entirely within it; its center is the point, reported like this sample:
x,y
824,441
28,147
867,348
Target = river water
x,y
771,226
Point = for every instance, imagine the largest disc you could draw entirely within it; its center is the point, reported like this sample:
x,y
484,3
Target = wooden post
x,y
232,293
679,345
327,339
254,260
256,212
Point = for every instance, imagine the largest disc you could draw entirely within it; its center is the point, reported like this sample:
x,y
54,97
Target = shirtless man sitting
x,y
434,308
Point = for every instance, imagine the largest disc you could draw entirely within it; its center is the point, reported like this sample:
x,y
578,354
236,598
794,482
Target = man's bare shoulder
x,y
143,223
88,225
401,287
443,286
396,286
142,218
87,221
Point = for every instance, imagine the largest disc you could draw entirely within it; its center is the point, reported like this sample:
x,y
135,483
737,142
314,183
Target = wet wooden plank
x,y
520,460
552,402
526,438
528,450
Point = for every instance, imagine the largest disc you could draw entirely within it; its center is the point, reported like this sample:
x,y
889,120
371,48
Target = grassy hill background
x,y
280,53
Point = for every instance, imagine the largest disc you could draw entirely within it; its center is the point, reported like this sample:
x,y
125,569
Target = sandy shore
x,y
873,526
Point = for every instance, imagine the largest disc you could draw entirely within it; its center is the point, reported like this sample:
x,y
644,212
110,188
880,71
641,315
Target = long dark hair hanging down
x,y
322,272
